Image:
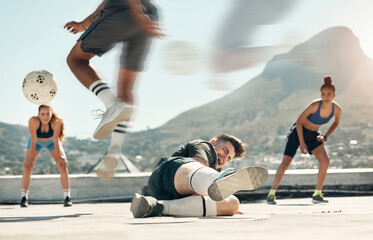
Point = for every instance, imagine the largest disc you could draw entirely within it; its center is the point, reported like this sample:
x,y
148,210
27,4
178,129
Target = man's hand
x,y
74,27
151,27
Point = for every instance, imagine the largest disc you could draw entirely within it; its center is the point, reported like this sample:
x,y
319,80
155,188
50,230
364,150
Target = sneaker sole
x,y
318,202
249,178
139,206
109,127
107,171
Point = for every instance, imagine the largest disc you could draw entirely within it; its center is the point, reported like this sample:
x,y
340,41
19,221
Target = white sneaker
x,y
249,178
115,114
107,170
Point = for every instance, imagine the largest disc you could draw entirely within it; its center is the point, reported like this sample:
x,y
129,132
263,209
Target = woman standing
x,y
304,135
46,130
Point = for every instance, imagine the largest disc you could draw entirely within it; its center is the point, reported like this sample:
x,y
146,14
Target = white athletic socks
x,y
103,92
201,179
24,193
66,193
193,206
117,137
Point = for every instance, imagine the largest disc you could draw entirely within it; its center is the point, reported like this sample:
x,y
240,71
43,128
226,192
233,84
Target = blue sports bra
x,y
41,134
315,118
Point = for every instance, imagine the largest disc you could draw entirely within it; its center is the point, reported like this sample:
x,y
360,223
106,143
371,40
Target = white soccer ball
x,y
39,87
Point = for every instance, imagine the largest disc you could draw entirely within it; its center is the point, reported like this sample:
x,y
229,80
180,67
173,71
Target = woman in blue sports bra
x,y
46,130
304,134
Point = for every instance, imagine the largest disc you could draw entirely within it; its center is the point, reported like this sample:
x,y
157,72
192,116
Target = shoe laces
x,y
270,197
98,113
321,195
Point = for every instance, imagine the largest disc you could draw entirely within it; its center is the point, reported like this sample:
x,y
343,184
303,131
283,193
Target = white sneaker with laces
x,y
107,170
115,114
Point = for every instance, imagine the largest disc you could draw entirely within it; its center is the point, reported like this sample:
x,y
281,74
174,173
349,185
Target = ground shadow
x,y
296,204
35,219
158,223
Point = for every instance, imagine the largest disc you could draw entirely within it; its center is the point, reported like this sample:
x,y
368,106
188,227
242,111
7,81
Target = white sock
x,y
24,193
66,193
103,92
117,137
201,179
193,206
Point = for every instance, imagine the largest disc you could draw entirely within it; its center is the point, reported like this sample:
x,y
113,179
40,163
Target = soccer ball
x,y
39,87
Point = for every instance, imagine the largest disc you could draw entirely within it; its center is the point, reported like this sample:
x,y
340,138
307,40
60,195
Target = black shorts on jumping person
x,y
117,25
310,139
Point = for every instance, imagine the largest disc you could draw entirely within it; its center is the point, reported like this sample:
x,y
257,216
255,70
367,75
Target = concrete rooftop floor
x,y
342,218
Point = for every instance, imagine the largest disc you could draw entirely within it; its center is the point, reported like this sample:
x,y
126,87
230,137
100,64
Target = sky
x,y
32,37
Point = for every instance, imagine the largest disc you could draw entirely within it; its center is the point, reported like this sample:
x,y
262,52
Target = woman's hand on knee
x,y
63,162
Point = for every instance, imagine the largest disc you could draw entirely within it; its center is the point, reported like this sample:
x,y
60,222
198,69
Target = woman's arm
x,y
300,123
337,118
75,27
32,128
56,133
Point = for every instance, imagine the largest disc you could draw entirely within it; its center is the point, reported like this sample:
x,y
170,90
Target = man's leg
x,y
79,64
200,206
111,158
126,82
195,178
193,206
84,71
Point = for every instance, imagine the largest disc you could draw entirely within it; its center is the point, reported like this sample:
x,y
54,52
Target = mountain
x,y
267,105
260,112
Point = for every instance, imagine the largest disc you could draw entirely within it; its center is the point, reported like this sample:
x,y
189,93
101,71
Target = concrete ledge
x,y
87,187
84,187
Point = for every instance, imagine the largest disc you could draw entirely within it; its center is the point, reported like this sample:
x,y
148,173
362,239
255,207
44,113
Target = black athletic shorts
x,y
310,139
161,181
118,26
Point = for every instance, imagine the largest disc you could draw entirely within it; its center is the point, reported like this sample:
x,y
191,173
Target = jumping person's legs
x,y
111,158
79,63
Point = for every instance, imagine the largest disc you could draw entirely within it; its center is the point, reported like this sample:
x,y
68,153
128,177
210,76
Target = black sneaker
x,y
67,202
271,199
319,198
24,202
142,207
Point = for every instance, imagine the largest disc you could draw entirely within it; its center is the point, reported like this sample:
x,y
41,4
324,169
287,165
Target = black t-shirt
x,y
199,148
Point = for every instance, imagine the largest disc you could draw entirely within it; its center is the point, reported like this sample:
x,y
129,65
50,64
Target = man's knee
x,y
228,206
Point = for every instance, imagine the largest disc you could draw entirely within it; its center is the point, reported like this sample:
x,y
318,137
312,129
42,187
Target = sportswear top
x,y
41,134
199,148
315,118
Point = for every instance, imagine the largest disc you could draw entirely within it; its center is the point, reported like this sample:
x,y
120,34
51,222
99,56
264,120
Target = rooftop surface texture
x,y
341,218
